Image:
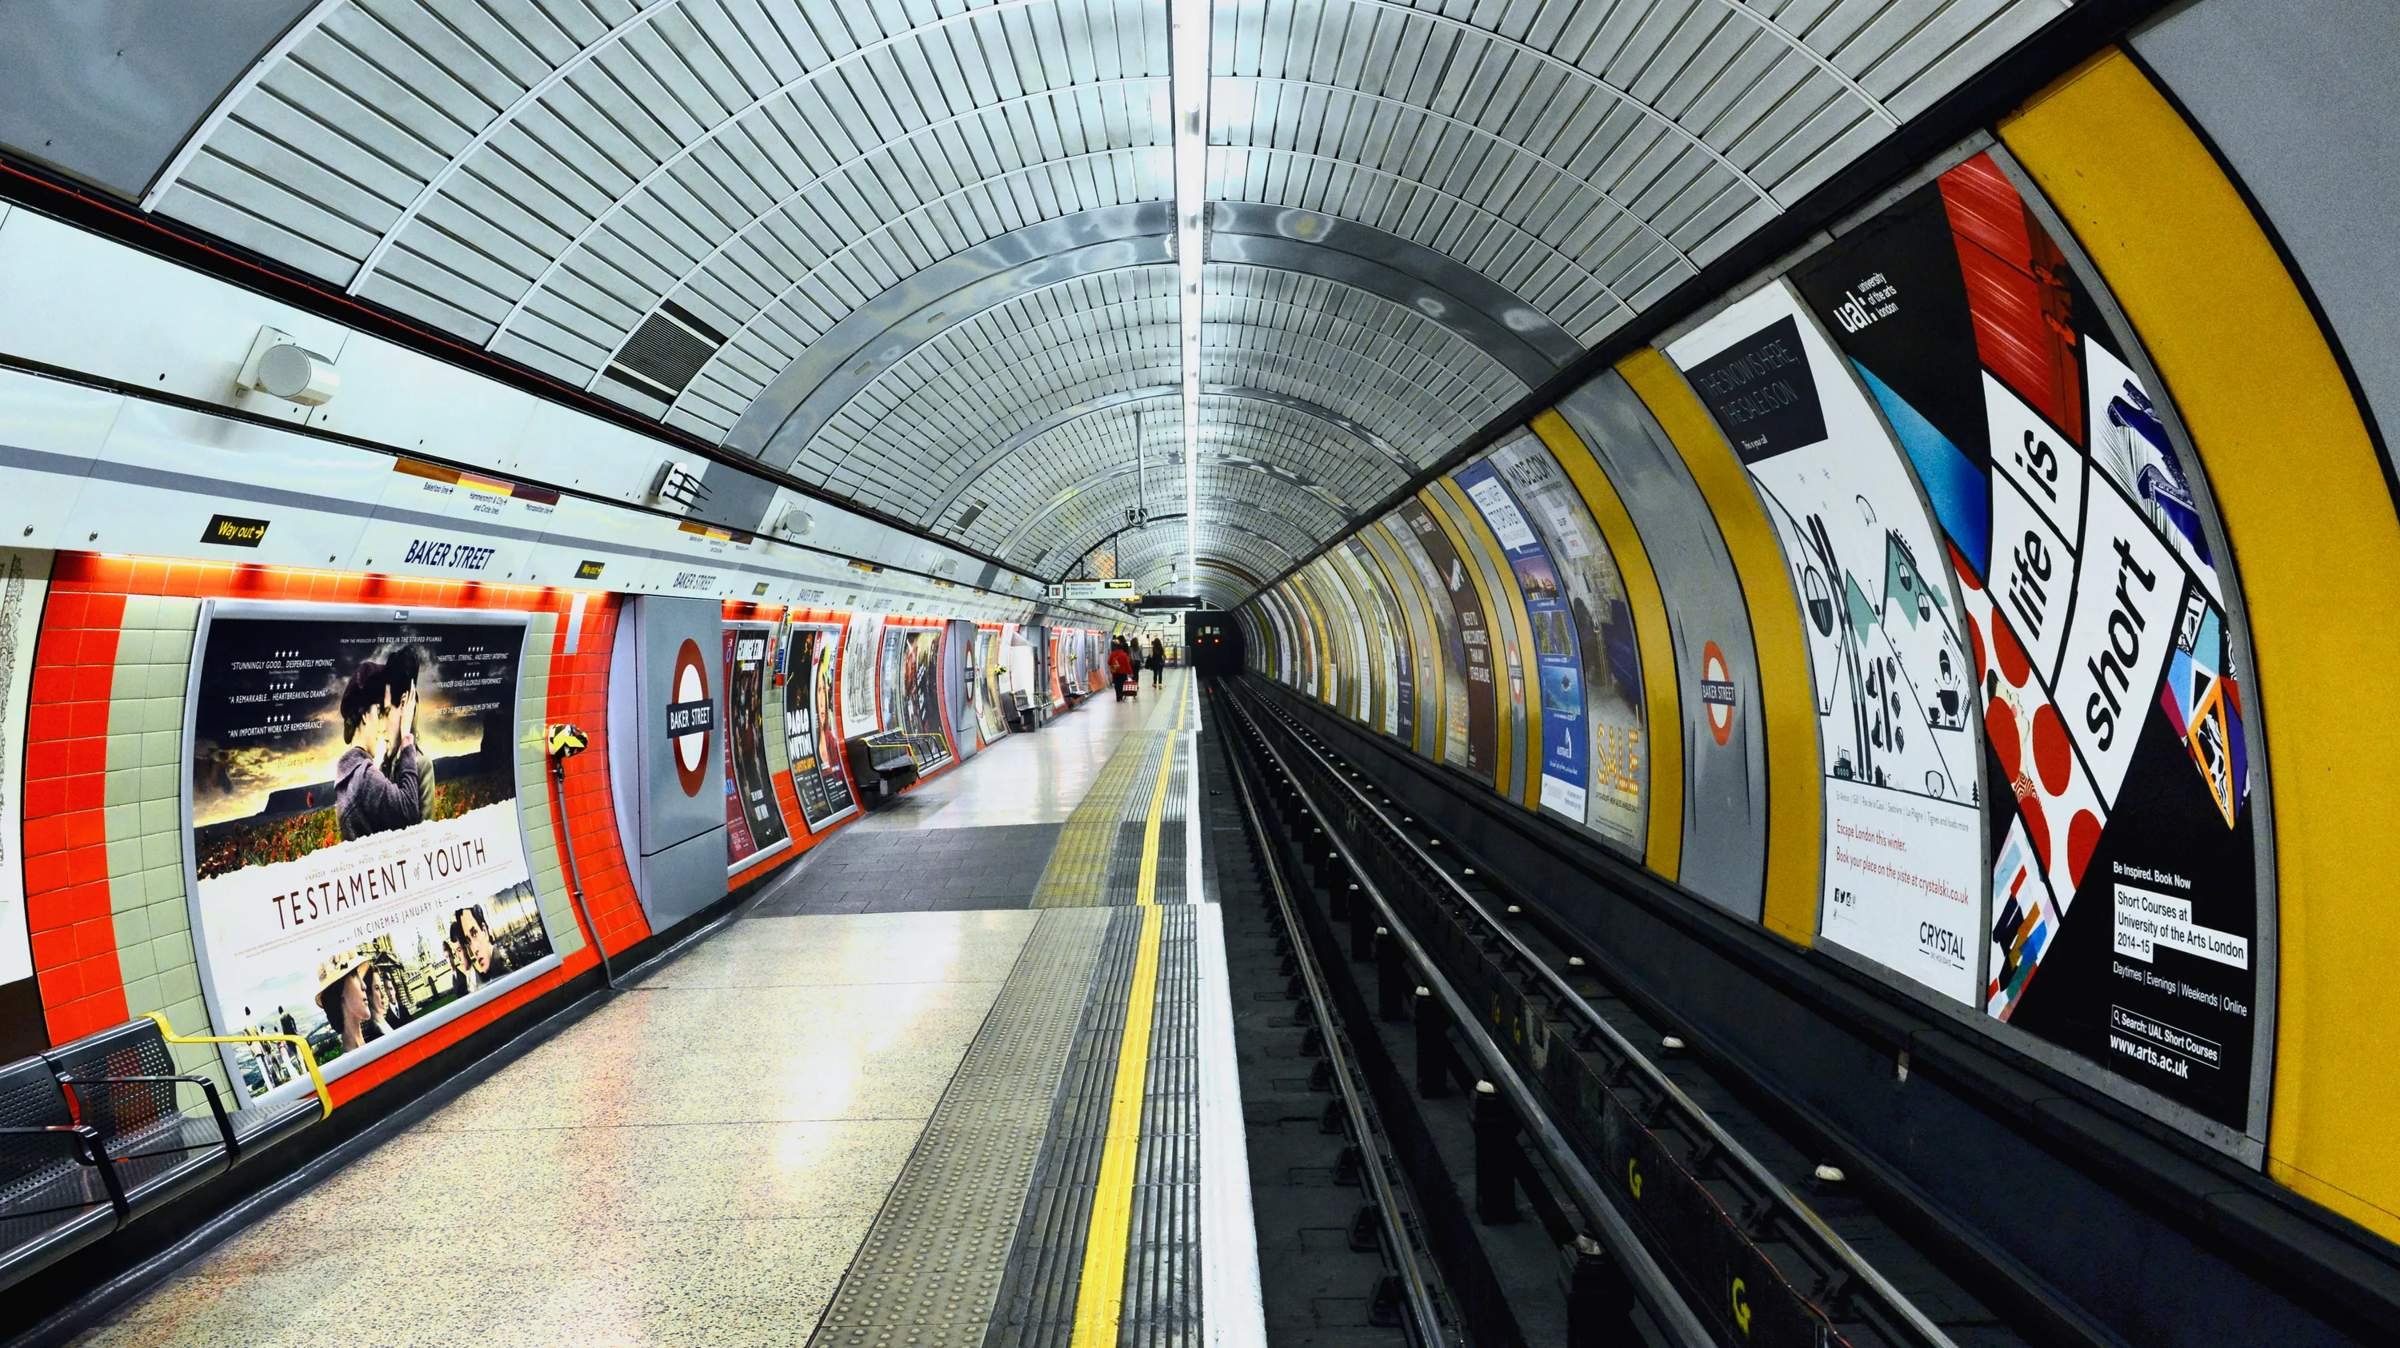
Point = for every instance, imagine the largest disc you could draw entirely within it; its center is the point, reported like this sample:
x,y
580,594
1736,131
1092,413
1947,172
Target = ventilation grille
x,y
666,351
968,516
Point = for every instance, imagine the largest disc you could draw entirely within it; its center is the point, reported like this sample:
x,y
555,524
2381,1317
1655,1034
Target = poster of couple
x,y
357,871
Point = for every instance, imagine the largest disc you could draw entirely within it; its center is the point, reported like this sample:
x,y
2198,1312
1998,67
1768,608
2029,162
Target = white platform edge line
x,y
1232,1311
1192,873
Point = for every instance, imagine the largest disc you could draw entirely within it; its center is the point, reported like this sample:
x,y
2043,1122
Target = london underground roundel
x,y
1716,692
691,714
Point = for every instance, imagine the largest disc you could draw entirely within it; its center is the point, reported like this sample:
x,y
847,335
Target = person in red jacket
x,y
1120,667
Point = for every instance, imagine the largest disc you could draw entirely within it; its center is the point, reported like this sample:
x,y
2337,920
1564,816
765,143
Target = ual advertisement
x,y
1467,732
754,823
1600,617
811,735
862,643
24,579
986,680
912,684
357,874
1887,647
2124,892
1557,656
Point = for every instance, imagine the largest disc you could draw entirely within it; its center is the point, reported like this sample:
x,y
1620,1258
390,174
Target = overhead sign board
x,y
1095,589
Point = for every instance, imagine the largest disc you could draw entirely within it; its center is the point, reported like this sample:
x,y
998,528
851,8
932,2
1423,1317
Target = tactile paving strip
x,y
931,1270
1162,1259
1091,864
1037,1301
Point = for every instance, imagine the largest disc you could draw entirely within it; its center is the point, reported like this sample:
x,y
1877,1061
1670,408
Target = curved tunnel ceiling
x,y
922,252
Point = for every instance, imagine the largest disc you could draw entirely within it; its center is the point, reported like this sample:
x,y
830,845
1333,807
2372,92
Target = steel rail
x,y
1614,1231
1416,1288
1830,1246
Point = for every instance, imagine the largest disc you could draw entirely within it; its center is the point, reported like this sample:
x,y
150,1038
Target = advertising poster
x,y
357,874
912,685
1449,651
1557,649
2125,887
754,823
1468,740
810,734
862,643
24,580
988,670
1058,694
1400,718
1382,565
1887,646
1599,616
1367,580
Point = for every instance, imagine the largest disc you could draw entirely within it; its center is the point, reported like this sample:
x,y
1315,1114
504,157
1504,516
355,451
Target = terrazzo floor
x,y
699,1160
696,1162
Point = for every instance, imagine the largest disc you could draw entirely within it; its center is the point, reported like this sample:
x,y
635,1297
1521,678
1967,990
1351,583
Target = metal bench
x,y
55,1193
883,760
124,1086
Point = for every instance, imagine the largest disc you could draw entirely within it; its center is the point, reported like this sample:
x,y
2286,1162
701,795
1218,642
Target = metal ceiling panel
x,y
934,237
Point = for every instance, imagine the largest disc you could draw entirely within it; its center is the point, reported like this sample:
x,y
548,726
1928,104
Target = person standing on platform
x,y
1158,663
1120,667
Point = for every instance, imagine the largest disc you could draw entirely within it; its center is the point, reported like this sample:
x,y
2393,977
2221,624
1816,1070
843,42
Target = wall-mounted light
x,y
282,368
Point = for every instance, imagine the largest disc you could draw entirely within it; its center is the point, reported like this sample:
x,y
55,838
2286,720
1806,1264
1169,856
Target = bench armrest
x,y
81,1140
208,1088
90,1150
308,1056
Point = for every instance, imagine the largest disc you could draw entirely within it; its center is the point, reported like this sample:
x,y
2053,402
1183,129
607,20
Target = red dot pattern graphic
x,y
2051,756
2014,666
2083,838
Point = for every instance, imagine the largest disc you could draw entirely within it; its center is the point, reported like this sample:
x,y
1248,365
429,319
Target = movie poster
x,y
357,874
811,734
1467,743
1599,615
912,682
754,823
24,581
1903,882
2125,891
861,644
987,674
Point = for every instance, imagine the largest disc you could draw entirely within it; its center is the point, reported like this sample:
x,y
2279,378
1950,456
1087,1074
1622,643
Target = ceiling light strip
x,y
1190,34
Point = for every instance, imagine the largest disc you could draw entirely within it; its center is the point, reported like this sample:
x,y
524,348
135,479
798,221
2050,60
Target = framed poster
x,y
1591,607
912,692
754,822
24,582
987,673
1887,643
811,733
860,644
356,867
2106,635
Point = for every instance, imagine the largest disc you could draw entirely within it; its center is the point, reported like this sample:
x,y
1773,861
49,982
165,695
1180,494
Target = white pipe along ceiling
x,y
996,267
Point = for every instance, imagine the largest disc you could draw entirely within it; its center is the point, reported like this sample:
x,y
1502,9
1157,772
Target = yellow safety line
x,y
1100,1297
1145,890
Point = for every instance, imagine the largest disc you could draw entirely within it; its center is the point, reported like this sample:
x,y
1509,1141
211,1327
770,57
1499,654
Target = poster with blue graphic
x,y
1556,656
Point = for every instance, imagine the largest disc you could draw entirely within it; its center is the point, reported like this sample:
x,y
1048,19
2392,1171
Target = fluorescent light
x,y
1190,29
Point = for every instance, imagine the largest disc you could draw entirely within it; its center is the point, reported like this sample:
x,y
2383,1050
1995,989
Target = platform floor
x,y
896,1103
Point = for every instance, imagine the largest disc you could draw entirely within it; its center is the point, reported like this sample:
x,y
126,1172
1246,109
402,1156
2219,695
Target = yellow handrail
x,y
308,1056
